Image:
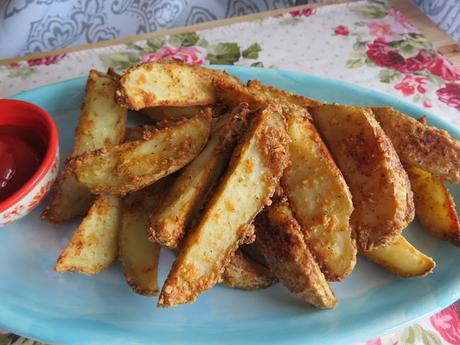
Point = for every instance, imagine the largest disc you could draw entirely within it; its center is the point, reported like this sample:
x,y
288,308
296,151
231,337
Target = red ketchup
x,y
21,152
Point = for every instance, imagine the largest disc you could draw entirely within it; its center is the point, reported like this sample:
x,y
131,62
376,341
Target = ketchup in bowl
x,y
21,153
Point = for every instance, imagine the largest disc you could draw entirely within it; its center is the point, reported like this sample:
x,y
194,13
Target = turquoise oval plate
x,y
69,308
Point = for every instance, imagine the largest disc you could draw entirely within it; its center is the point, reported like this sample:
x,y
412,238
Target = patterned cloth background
x,y
28,26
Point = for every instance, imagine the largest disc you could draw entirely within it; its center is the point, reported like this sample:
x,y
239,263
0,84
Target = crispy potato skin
x,y
380,188
426,147
319,197
253,174
164,83
134,165
246,274
93,246
171,113
102,123
140,257
401,258
232,91
188,192
266,93
280,240
434,205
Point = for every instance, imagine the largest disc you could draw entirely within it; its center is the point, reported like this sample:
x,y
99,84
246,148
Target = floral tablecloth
x,y
366,42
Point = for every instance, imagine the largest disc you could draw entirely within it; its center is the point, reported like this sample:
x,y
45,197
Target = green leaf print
x,y
389,76
257,64
120,60
252,52
360,45
202,43
428,337
407,50
224,53
184,40
408,336
290,21
154,44
22,72
354,63
376,11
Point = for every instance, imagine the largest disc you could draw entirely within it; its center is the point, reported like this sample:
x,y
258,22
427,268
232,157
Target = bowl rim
x,y
47,161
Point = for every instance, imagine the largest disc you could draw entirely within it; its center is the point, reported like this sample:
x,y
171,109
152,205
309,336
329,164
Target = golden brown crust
x,y
190,189
102,123
434,205
426,147
144,85
246,274
131,166
382,198
280,240
268,93
138,256
319,197
93,246
401,258
241,195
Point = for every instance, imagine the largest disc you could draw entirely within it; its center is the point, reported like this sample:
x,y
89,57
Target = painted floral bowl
x,y
27,126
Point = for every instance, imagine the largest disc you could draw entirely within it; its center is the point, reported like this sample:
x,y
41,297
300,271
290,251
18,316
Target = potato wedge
x,y
188,192
102,123
171,113
319,197
140,257
231,91
250,181
246,274
380,188
155,84
134,165
434,205
267,93
280,240
93,246
426,147
401,258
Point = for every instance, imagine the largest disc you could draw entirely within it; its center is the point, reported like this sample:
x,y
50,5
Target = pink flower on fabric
x,y
47,60
410,84
445,69
341,30
376,341
427,104
383,55
303,13
421,61
402,20
447,322
14,65
450,94
382,30
190,55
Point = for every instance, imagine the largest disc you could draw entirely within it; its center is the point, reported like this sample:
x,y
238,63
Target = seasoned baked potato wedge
x,y
246,274
154,84
139,256
434,205
280,240
319,196
171,113
250,181
418,144
188,192
267,93
93,246
379,185
401,258
102,123
131,166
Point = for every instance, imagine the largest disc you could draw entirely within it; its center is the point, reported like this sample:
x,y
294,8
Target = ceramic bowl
x,y
40,123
